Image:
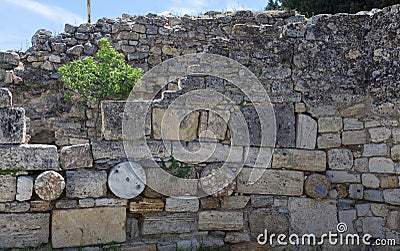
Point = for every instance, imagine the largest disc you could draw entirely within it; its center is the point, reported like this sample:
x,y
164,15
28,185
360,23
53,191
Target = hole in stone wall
x,y
43,137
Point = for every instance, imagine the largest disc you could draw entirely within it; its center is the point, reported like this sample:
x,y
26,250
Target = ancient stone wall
x,y
333,82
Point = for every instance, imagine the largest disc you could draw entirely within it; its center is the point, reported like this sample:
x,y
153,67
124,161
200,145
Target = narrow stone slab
x,y
84,227
182,204
86,184
24,230
12,125
29,157
277,182
235,202
146,206
306,134
381,165
8,187
5,98
168,224
24,188
299,159
108,150
77,156
216,220
392,196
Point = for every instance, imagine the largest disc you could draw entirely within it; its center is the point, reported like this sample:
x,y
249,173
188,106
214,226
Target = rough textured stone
x,y
77,156
306,132
29,157
40,206
110,202
348,217
343,177
356,191
5,98
299,159
146,206
209,203
374,150
275,182
370,180
8,187
381,165
24,188
330,124
236,237
9,60
273,221
234,202
84,227
285,124
108,149
393,220
171,223
374,226
392,196
373,195
49,185
354,137
215,220
352,124
14,207
389,181
26,230
395,152
84,184
258,201
328,140
396,135
379,134
12,125
306,216
340,159
317,186
182,204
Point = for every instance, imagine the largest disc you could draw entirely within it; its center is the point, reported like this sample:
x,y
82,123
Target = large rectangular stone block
x,y
85,184
299,159
29,157
108,150
12,125
84,227
168,224
306,132
24,230
182,204
276,182
216,220
8,188
77,156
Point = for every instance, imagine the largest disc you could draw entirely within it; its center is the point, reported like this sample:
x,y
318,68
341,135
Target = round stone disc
x,y
317,186
49,185
127,180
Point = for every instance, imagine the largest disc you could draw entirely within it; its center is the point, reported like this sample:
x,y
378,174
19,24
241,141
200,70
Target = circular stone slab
x,y
127,180
49,185
317,186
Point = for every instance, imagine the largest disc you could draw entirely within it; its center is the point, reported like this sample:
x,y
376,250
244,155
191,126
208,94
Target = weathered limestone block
x,y
374,226
395,152
354,137
381,165
88,202
328,140
108,150
373,195
29,157
209,203
356,191
271,220
370,180
12,125
352,124
343,177
5,98
304,160
215,125
379,134
348,217
182,204
110,202
84,227
396,135
340,159
14,207
389,181
258,201
235,202
236,237
84,184
77,156
392,196
66,204
24,230
9,60
49,185
24,188
374,150
146,205
168,224
276,182
216,220
40,206
8,187
330,124
317,186
306,133
285,124
393,220
306,216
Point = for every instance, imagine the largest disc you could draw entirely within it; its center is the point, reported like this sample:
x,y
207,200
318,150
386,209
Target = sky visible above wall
x,y
20,19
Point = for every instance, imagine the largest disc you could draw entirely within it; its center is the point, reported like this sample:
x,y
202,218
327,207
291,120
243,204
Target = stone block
x,y
216,220
146,205
235,202
304,160
356,191
182,204
9,60
8,188
14,207
381,210
88,202
260,157
348,217
12,125
236,237
24,188
363,210
271,220
328,140
216,125
5,98
354,137
343,177
85,184
108,150
330,124
75,157
393,220
66,204
340,159
29,157
395,153
285,125
352,124
168,224
392,196
389,181
274,182
306,132
84,227
379,134
209,203
374,226
40,206
24,230
373,195
306,216
258,201
396,135
374,150
110,202
381,165
361,165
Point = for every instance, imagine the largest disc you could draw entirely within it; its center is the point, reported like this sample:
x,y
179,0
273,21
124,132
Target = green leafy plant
x,y
179,171
105,76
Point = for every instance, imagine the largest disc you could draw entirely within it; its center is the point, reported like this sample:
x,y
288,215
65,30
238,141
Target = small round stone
x,y
127,180
49,185
317,186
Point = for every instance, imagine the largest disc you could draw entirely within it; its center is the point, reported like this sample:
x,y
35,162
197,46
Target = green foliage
x,y
13,172
314,7
273,5
179,170
95,79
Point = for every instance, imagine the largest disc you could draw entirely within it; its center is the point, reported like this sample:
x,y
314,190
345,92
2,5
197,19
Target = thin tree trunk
x,y
88,11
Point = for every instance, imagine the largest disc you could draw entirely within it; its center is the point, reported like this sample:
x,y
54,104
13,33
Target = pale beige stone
x,y
182,204
354,137
146,206
379,134
306,132
329,140
330,124
299,159
168,224
8,188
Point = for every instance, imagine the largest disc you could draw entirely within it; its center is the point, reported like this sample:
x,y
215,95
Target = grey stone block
x,y
85,184
5,98
77,156
285,125
12,125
